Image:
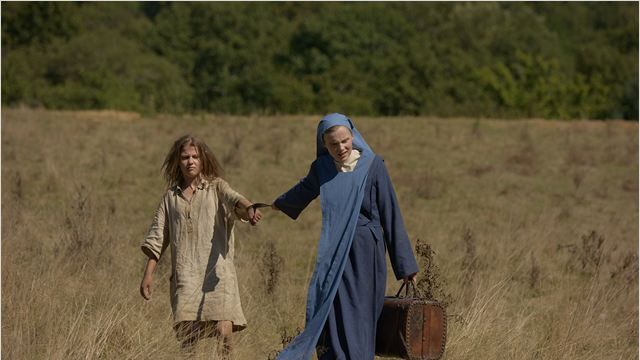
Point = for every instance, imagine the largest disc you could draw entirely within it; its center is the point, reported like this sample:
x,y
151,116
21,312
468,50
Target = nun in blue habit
x,y
360,218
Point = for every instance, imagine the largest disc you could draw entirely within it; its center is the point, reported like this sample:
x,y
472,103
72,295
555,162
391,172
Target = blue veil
x,y
341,197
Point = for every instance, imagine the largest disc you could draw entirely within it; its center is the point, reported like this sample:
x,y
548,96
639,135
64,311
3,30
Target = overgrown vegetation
x,y
79,190
488,59
430,283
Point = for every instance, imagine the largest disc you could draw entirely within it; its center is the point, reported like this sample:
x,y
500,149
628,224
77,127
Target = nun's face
x,y
339,144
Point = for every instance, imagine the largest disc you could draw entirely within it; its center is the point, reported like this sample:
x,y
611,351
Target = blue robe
x,y
349,331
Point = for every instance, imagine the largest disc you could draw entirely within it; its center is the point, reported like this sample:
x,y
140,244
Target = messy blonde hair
x,y
211,168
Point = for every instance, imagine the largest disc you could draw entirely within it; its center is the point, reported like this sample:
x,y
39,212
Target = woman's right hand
x,y
146,287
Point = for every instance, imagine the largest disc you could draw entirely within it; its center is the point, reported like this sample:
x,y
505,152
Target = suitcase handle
x,y
412,285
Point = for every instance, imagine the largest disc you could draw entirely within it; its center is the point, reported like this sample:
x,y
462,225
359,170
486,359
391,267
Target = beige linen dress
x,y
204,285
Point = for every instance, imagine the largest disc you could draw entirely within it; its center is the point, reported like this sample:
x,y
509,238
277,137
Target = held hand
x,y
146,287
254,215
251,212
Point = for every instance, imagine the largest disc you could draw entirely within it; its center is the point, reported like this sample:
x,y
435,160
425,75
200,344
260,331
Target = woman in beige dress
x,y
195,219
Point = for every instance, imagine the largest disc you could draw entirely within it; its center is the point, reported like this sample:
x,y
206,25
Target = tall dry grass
x,y
533,227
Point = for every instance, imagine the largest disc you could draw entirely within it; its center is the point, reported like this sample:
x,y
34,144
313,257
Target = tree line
x,y
488,59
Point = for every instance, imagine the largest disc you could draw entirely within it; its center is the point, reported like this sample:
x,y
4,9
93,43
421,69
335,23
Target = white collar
x,y
350,164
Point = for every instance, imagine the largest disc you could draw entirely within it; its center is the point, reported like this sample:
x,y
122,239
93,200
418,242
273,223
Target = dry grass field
x,y
534,225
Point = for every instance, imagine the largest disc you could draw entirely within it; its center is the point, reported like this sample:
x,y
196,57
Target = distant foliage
x,y
514,60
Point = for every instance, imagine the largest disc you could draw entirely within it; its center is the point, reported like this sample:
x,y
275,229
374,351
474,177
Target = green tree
x,y
541,59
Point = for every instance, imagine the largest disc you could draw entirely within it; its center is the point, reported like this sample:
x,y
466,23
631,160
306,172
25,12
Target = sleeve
x,y
229,197
395,236
300,195
157,239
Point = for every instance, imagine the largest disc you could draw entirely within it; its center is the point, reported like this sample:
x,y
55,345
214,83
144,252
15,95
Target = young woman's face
x,y
190,164
339,144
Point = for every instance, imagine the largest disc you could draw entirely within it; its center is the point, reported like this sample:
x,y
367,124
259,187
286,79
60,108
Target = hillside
x,y
534,225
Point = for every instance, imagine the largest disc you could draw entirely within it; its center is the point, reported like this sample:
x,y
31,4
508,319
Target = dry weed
x,y
534,275
587,256
18,191
627,270
271,266
430,284
469,264
480,170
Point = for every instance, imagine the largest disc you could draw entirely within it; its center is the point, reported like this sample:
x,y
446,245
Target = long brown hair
x,y
211,168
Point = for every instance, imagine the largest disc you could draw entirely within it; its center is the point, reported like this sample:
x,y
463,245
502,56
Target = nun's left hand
x,y
411,278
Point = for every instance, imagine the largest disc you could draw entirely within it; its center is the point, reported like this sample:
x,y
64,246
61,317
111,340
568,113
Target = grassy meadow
x,y
534,225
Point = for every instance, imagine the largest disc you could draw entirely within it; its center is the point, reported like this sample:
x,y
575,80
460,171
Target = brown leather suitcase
x,y
411,328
